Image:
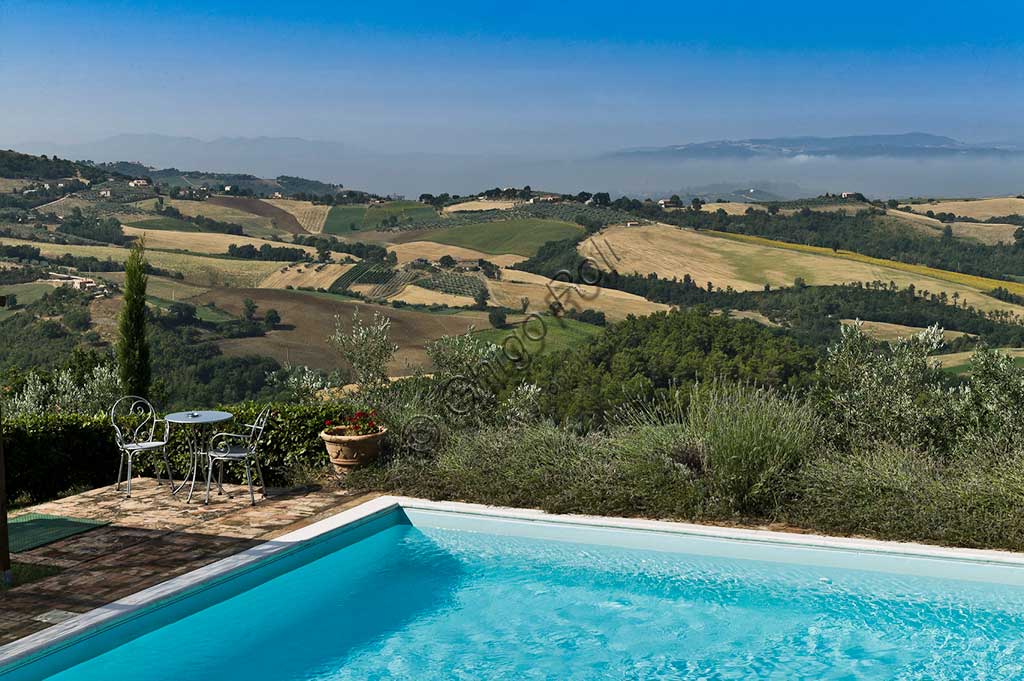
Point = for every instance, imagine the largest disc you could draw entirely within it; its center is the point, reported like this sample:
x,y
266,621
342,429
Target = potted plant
x,y
353,441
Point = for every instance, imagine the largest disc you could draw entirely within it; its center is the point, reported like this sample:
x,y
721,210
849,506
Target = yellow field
x,y
253,224
514,286
198,269
731,207
9,185
417,295
305,275
430,250
748,263
480,205
979,209
955,359
310,215
983,232
891,332
201,242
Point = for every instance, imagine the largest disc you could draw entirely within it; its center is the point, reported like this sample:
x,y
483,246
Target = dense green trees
x,y
93,228
132,345
641,357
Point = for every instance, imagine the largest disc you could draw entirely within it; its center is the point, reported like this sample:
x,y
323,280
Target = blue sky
x,y
526,77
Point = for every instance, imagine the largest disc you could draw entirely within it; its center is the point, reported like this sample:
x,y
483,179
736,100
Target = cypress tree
x,y
132,345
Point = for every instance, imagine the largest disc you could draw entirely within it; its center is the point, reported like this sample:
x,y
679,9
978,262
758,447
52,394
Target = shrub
x,y
50,454
899,493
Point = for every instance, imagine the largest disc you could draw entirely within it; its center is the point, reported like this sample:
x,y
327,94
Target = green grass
x,y
26,293
366,217
203,313
522,236
556,335
341,218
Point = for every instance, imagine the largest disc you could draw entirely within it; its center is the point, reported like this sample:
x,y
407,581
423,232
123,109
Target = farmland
x,y
198,269
200,242
520,236
255,225
979,209
26,293
960,362
306,274
983,232
310,320
470,206
280,220
311,216
418,295
368,217
893,332
411,250
748,263
514,286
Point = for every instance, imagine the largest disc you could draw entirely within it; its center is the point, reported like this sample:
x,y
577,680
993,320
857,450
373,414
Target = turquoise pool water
x,y
424,602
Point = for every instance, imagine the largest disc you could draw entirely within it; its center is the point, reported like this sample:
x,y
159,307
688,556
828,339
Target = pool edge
x,y
22,651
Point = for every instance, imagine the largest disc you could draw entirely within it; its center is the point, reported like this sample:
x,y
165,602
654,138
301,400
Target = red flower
x,y
327,422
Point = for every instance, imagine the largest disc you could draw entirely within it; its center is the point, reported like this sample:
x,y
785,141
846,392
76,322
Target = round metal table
x,y
197,424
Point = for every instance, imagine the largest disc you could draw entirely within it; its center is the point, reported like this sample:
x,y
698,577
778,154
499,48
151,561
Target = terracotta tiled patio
x,y
151,537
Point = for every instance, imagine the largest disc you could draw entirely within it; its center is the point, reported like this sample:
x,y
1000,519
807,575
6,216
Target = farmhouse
x,y
138,183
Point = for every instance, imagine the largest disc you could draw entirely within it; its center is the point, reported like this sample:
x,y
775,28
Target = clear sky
x,y
511,77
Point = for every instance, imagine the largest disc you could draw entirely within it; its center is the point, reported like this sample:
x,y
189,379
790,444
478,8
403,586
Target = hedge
x,y
55,454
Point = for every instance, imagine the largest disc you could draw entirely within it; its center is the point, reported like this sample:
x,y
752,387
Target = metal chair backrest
x,y
257,427
134,420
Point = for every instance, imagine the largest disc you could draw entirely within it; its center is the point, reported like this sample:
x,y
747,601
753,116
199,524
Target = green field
x,y
522,236
204,313
26,293
367,217
556,335
341,218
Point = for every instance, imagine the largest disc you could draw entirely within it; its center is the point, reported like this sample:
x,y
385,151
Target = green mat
x,y
32,530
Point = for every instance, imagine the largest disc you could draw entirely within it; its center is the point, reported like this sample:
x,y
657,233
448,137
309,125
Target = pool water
x,y
413,602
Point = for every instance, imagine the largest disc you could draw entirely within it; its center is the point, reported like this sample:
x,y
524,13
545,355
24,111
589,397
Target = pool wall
x,y
55,648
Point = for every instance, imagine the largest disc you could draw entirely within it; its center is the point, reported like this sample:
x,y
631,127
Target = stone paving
x,y
151,538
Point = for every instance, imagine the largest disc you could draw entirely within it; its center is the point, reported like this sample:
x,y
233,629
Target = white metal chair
x,y
234,447
135,432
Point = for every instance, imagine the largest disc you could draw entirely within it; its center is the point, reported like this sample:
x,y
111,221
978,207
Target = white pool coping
x,y
67,631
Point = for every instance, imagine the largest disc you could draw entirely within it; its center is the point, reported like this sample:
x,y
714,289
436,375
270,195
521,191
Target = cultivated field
x,y
992,234
340,219
731,207
255,225
26,293
748,263
468,206
316,276
12,184
430,250
892,332
199,270
312,317
959,362
617,305
281,220
160,287
979,209
201,242
417,295
520,236
311,216
64,205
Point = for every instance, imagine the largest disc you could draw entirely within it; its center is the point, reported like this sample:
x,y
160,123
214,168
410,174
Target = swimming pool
x,y
400,588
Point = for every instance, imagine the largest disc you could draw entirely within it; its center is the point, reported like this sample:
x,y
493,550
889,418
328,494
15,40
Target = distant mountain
x,y
909,145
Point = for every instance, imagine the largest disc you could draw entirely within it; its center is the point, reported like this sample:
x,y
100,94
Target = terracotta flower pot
x,y
349,451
